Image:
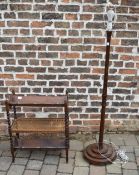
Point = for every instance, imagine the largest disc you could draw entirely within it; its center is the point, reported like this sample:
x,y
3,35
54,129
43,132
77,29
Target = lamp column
x,y
102,153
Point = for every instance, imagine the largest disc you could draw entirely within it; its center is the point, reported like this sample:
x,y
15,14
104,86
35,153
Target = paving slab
x,y
51,159
4,145
20,161
130,139
71,154
130,172
65,168
2,173
76,145
89,142
6,153
54,162
130,166
106,137
131,157
136,152
127,149
137,161
23,153
16,170
31,172
113,174
70,161
79,160
38,155
117,140
34,164
114,169
97,170
5,163
81,171
1,152
63,174
48,170
53,152
137,137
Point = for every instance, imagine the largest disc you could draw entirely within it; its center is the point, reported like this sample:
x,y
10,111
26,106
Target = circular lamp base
x,y
97,156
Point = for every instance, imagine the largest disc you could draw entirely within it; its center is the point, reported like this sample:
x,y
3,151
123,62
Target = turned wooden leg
x,y
9,130
67,155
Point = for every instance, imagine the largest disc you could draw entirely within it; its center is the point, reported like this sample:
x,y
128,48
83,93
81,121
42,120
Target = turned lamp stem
x,y
105,85
111,17
102,153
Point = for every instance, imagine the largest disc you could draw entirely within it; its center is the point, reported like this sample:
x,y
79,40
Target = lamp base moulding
x,y
96,156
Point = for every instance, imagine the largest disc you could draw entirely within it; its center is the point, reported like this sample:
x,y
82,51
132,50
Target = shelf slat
x,y
33,100
39,142
47,125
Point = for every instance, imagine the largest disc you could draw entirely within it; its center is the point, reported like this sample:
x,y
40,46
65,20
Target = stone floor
x,y
53,162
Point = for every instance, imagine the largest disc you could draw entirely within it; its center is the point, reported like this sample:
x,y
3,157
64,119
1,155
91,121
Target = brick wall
x,y
47,46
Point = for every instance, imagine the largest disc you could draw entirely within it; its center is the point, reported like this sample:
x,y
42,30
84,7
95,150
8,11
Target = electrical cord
x,y
123,158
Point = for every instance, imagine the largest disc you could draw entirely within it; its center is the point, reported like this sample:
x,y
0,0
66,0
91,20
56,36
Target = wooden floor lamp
x,y
101,153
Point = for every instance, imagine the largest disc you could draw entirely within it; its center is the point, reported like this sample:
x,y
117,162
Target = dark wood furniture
x,y
102,153
40,129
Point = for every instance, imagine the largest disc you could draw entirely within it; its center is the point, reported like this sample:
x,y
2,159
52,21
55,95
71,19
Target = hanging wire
x,y
122,158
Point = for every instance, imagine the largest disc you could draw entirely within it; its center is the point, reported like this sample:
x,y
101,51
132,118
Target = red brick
x,y
40,24
93,8
78,25
69,55
81,48
100,48
115,41
37,32
25,39
10,31
45,62
61,32
125,84
44,7
95,97
86,17
80,83
24,31
69,8
71,40
91,55
35,47
27,15
127,57
137,65
94,41
14,83
18,23
133,26
128,71
65,1
122,10
2,24
129,3
126,34
91,122
124,49
62,24
12,47
9,76
98,70
20,7
24,76
70,16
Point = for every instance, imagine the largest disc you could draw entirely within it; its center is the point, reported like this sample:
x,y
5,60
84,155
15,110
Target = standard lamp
x,y
102,153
